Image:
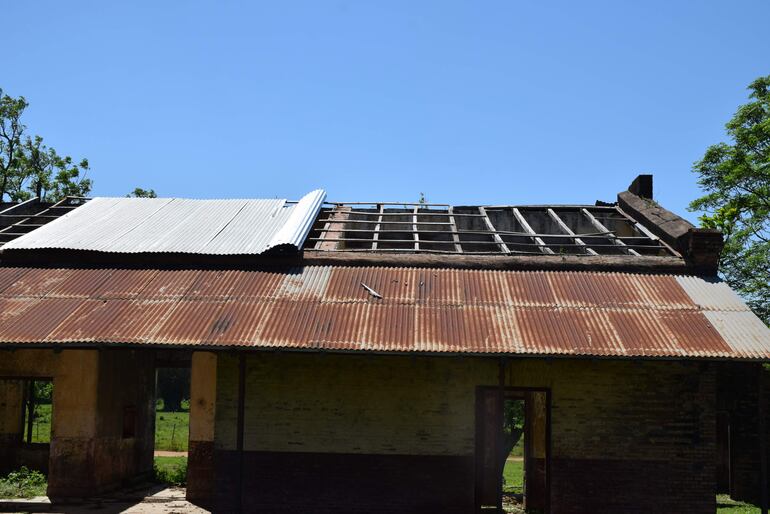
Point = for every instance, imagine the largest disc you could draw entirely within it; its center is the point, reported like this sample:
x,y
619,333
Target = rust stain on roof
x,y
420,310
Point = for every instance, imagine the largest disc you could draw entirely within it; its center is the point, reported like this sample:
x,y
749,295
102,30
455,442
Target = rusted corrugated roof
x,y
420,310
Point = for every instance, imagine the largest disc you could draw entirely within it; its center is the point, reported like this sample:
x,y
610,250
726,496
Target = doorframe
x,y
478,442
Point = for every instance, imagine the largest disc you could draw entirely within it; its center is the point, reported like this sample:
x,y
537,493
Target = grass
x,y
24,483
41,424
513,474
171,470
171,430
725,505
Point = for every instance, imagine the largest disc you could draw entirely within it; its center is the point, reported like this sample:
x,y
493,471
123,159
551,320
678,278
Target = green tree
x,y
28,167
142,193
11,130
736,179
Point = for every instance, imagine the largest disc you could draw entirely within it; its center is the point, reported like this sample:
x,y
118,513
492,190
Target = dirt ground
x,y
157,500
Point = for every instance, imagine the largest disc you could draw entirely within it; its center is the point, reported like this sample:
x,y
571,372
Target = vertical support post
x,y
377,227
203,402
239,430
762,439
30,408
501,420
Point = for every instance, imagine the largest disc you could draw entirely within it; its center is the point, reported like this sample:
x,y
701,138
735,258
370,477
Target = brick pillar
x,y
11,397
203,394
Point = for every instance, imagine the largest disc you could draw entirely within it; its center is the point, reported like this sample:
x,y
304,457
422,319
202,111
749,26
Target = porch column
x,y
203,395
72,471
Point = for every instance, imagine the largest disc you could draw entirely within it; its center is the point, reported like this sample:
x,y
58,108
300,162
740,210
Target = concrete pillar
x,y
11,397
73,432
203,395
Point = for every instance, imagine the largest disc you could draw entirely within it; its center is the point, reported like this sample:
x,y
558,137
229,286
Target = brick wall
x,y
384,433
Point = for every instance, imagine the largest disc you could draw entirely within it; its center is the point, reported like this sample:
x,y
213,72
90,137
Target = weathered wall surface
x,y
92,388
382,434
200,460
11,397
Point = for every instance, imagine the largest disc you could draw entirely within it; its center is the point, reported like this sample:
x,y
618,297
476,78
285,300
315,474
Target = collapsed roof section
x,y
634,234
173,225
485,230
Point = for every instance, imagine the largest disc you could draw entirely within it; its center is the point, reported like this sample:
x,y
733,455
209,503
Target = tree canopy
x,y
735,177
28,167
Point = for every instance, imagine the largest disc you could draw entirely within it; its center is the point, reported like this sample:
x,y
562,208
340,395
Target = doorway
x,y
172,424
512,450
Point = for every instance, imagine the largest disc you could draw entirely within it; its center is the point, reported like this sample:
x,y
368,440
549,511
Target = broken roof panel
x,y
375,309
482,230
173,225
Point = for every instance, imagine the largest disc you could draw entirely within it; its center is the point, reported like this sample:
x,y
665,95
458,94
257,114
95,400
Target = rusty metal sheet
x,y
37,282
34,323
126,283
413,310
567,331
530,289
240,322
396,284
10,276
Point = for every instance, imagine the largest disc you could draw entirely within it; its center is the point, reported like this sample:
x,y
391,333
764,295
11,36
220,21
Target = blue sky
x,y
493,102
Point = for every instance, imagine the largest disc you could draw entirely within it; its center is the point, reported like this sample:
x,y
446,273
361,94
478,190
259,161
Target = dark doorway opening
x,y
512,450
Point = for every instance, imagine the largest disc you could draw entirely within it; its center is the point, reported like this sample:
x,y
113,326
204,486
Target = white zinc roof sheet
x,y
150,225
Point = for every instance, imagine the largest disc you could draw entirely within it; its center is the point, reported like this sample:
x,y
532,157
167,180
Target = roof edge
x,y
623,263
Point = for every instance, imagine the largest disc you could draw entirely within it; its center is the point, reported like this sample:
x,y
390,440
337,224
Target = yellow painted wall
x,y
426,405
11,395
203,395
74,373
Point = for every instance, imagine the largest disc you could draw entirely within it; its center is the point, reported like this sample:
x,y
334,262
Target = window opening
x,y
37,411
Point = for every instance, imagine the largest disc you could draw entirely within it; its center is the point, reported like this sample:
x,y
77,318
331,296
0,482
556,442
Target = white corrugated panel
x,y
741,329
147,225
746,334
711,294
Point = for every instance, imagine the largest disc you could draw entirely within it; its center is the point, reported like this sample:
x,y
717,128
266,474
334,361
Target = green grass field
x,y
513,473
727,506
41,424
171,431
171,470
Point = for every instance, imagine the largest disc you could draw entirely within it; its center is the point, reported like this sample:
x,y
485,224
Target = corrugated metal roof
x,y
148,225
420,310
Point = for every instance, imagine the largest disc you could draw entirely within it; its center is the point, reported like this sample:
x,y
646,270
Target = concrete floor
x,y
156,500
